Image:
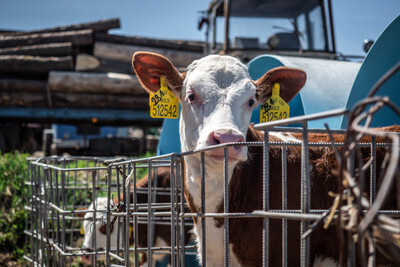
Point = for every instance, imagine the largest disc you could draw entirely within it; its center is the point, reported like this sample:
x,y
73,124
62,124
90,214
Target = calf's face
x,y
90,228
217,97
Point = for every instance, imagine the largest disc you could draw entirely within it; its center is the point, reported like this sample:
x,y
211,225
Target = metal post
x,y
227,13
149,216
173,213
265,196
305,197
127,197
284,206
135,222
94,259
372,191
182,202
203,211
226,208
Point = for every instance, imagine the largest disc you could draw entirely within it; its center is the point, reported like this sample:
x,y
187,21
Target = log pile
x,y
79,66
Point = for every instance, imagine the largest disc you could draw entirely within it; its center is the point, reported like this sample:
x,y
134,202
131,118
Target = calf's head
x,y
97,228
217,97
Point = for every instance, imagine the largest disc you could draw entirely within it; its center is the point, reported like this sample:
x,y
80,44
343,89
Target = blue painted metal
x,y
75,114
64,131
383,55
328,85
169,141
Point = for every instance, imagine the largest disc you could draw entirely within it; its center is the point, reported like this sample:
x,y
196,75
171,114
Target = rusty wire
x,y
380,232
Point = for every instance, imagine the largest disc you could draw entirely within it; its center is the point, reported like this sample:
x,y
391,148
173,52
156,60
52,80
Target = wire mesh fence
x,y
91,209
73,198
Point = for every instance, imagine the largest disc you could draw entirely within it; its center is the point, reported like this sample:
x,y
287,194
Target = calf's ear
x,y
291,80
149,67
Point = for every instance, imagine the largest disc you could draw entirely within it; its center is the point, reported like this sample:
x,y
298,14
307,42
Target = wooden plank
x,y
72,100
80,37
85,62
43,50
100,83
23,100
192,46
21,85
32,64
123,53
99,26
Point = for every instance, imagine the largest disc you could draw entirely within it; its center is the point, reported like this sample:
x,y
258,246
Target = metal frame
x,y
55,181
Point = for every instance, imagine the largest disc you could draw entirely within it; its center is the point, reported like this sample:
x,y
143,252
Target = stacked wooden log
x,y
79,66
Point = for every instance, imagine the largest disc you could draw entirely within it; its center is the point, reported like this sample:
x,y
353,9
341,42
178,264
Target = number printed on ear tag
x,y
275,108
164,104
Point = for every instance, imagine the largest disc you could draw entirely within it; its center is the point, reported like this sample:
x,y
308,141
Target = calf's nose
x,y
225,136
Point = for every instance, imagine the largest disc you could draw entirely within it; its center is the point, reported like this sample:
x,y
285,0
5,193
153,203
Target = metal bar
x,y
332,27
135,222
227,13
40,247
173,213
53,214
108,240
182,210
127,198
305,197
301,119
259,214
351,257
203,210
63,199
117,223
149,226
94,241
265,197
57,203
372,190
45,218
284,206
226,208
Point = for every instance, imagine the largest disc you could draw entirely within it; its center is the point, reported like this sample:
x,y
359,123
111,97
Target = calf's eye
x,y
251,102
191,97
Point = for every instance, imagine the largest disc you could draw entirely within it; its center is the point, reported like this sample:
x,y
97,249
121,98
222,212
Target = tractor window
x,y
311,30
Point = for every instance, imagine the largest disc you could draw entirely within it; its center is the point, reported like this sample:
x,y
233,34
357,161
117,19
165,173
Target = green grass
x,y
13,191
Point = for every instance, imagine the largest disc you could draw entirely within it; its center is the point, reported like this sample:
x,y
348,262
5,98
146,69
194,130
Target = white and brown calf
x,y
217,98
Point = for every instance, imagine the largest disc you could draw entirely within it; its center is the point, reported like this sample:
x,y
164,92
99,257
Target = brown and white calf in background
x,y
162,233
217,98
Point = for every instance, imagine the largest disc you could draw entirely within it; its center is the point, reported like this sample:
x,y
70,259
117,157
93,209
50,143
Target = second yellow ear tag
x,y
82,230
164,104
275,108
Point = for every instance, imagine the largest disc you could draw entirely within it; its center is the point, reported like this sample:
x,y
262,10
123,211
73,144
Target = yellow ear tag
x,y
130,230
164,104
275,108
82,230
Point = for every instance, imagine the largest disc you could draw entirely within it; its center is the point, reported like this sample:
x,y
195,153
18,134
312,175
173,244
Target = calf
x,y
162,233
217,97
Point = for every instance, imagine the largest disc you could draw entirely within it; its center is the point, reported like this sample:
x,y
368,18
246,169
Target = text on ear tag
x,y
164,104
275,108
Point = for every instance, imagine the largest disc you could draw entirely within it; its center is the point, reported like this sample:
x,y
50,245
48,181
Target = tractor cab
x,y
248,28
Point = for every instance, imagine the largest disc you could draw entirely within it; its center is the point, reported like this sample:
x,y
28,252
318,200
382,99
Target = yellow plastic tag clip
x,y
275,108
82,230
164,104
